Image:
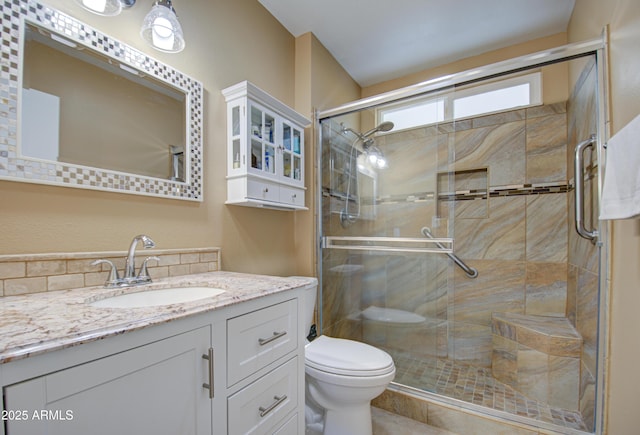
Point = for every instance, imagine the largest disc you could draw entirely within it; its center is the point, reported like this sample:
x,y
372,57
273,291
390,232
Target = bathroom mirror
x,y
81,109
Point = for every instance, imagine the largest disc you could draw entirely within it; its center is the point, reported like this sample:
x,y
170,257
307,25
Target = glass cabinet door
x,y
262,133
236,140
291,152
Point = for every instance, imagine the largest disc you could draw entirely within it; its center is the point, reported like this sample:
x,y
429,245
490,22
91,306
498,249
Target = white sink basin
x,y
154,298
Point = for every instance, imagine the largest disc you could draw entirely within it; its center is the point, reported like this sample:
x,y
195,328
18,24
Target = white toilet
x,y
342,377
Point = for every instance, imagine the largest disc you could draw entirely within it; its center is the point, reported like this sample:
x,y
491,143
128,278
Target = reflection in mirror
x,y
108,115
95,113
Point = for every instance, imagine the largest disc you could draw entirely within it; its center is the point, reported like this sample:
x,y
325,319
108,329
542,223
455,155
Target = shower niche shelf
x,y
265,150
469,187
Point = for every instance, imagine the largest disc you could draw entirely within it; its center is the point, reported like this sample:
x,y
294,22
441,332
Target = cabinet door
x,y
262,146
292,146
236,131
152,389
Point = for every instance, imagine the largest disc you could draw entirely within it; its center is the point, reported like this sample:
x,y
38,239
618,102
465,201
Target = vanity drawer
x,y
263,190
289,428
257,339
261,406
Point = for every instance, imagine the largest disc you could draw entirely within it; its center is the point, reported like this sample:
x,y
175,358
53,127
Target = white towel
x,y
621,189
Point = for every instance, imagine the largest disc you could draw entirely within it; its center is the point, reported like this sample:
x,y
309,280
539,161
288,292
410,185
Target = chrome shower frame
x,y
597,47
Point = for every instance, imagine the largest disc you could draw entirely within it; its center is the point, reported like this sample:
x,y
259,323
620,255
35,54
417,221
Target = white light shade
x,y
102,7
161,28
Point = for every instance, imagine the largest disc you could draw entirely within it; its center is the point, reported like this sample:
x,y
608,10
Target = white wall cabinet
x,y
265,150
157,381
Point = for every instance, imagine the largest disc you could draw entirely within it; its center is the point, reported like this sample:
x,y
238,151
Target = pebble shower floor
x,y
476,385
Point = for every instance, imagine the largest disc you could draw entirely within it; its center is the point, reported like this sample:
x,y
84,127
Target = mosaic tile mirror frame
x,y
14,16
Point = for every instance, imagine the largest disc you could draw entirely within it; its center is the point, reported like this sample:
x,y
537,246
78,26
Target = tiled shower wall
x,y
22,274
507,189
583,281
519,235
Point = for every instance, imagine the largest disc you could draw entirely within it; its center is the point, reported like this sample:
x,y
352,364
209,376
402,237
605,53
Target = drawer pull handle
x,y
209,386
275,336
278,401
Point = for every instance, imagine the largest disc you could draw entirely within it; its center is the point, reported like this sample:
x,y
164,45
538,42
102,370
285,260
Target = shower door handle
x,y
579,193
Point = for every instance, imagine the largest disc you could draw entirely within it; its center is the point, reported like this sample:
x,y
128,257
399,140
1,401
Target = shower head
x,y
375,158
374,155
384,126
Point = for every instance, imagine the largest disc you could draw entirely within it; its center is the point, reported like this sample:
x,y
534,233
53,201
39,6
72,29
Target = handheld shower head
x,y
375,155
384,126
375,158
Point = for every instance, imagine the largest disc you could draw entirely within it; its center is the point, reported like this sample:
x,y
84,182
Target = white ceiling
x,y
378,40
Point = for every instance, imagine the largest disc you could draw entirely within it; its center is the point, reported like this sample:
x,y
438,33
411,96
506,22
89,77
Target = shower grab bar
x,y
471,272
579,193
388,244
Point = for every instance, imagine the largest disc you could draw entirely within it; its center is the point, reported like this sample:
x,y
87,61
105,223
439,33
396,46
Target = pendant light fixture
x,y
108,8
161,28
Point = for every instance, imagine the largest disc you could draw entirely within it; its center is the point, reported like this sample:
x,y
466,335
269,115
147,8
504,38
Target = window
x,y
411,115
497,96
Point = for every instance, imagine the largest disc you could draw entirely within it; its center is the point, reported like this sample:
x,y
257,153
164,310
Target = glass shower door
x,y
384,282
517,326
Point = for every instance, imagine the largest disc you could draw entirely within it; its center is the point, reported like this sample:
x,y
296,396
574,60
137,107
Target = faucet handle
x,y
143,276
114,277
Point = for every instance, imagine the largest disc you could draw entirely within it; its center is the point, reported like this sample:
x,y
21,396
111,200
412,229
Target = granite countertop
x,y
43,322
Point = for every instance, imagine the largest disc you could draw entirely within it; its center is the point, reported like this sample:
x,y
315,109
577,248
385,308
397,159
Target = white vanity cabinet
x,y
233,370
263,338
265,150
155,389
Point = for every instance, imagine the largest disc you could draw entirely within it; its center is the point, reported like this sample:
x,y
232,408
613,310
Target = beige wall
x,y
321,83
623,17
232,41
227,42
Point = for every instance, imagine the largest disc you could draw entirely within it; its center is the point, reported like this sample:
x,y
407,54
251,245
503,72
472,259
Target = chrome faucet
x,y
130,265
130,278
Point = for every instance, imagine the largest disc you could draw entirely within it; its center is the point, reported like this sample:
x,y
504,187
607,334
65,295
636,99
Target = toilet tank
x,y
310,296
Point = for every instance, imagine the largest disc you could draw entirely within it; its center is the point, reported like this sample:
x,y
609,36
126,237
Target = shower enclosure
x,y
448,240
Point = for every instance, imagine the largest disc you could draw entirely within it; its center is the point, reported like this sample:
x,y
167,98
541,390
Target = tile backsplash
x,y
35,273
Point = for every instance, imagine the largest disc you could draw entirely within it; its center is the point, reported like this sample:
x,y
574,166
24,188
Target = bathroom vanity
x,y
227,364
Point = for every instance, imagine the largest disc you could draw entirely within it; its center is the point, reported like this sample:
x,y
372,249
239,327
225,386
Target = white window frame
x,y
533,80
414,106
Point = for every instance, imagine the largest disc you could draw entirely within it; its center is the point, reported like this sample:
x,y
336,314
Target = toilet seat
x,y
339,356
391,315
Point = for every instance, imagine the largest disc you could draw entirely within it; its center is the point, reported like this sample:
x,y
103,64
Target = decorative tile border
x,y
13,14
22,274
513,190
472,194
